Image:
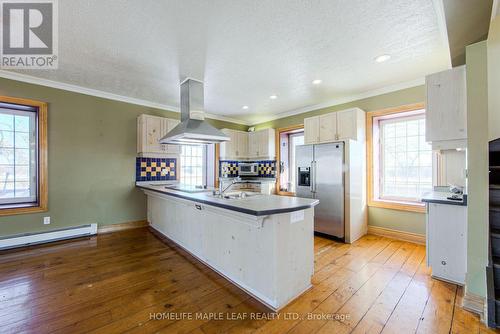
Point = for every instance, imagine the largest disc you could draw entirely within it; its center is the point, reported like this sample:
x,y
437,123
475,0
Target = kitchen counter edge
x,y
194,198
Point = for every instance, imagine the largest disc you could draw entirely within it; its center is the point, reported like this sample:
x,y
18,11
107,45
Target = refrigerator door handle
x,y
313,176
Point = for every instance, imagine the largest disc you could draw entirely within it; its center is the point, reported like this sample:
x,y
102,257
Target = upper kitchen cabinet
x,y
446,109
341,125
248,145
242,144
311,130
261,144
229,149
150,129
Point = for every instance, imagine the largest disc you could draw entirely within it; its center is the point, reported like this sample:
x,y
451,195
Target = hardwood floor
x,y
132,282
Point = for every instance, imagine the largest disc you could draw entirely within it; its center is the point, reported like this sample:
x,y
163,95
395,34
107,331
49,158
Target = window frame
x,y
371,167
41,201
278,133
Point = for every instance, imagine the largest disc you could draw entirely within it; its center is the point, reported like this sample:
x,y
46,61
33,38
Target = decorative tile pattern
x,y
155,169
267,168
228,168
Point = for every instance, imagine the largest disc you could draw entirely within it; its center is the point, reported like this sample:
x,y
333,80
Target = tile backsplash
x,y
229,168
155,169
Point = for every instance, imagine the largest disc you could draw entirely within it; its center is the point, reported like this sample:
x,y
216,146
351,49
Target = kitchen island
x,y
262,243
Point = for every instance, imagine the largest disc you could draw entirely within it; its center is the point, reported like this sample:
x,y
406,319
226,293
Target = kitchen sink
x,y
236,195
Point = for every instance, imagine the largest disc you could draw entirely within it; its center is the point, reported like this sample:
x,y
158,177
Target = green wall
x,y
92,151
494,79
397,220
477,165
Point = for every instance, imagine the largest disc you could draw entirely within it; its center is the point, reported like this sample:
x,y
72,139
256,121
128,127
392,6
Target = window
x,y
23,156
399,159
193,165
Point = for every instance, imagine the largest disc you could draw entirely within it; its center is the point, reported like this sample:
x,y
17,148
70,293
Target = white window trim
x,y
419,114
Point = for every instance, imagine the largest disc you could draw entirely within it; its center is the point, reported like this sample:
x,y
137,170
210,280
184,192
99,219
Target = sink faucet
x,y
223,190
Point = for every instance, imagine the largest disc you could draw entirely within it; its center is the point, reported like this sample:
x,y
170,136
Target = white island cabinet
x,y
269,255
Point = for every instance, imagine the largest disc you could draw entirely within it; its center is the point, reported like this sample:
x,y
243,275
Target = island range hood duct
x,y
193,129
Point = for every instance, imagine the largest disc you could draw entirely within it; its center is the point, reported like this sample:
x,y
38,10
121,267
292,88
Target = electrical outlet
x,y
46,220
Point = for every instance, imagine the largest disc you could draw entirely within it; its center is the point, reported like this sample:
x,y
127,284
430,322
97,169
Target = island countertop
x,y
258,205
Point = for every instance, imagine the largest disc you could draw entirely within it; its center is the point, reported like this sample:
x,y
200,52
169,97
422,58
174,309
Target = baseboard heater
x,y
21,240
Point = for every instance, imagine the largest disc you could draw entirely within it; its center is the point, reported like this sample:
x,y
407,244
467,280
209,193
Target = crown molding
x,y
346,99
99,93
495,11
106,95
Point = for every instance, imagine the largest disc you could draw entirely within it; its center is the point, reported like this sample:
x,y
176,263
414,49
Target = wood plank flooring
x,y
133,282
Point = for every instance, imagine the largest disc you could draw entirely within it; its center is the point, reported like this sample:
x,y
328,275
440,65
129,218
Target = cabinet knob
x,y
443,263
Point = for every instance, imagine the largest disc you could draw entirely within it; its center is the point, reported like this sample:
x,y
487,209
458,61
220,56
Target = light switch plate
x,y
46,220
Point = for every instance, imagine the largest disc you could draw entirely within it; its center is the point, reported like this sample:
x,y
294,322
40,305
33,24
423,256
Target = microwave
x,y
248,169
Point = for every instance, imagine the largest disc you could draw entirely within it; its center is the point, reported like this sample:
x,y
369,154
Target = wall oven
x,y
248,169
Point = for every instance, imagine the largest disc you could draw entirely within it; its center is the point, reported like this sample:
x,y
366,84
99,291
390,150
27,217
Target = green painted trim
x,y
477,166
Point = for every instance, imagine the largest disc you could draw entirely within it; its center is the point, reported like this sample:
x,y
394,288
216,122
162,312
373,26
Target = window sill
x,y
19,209
401,206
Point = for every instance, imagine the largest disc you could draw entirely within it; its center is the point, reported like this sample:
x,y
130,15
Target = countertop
x,y
258,205
440,197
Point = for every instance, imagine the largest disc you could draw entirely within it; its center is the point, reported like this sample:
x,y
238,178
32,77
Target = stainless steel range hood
x,y
193,129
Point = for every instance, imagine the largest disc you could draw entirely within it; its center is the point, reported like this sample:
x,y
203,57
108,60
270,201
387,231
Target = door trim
x,y
278,155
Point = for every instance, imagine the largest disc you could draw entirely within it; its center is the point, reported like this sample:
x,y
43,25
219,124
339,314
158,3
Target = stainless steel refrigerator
x,y
320,175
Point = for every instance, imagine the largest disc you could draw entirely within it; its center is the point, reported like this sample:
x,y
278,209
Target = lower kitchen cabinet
x,y
447,241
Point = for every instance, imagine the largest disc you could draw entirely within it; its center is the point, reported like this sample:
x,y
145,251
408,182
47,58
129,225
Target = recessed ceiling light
x,y
273,97
382,58
317,81
245,107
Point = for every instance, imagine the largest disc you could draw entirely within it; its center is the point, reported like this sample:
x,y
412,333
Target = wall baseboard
x,y
122,226
28,239
395,234
475,304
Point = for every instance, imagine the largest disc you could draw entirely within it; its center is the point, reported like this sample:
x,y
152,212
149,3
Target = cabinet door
x,y
242,144
153,134
447,241
252,144
174,149
235,146
446,109
226,148
311,130
347,127
328,127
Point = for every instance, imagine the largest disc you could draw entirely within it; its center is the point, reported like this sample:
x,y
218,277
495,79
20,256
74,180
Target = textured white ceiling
x,y
247,50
